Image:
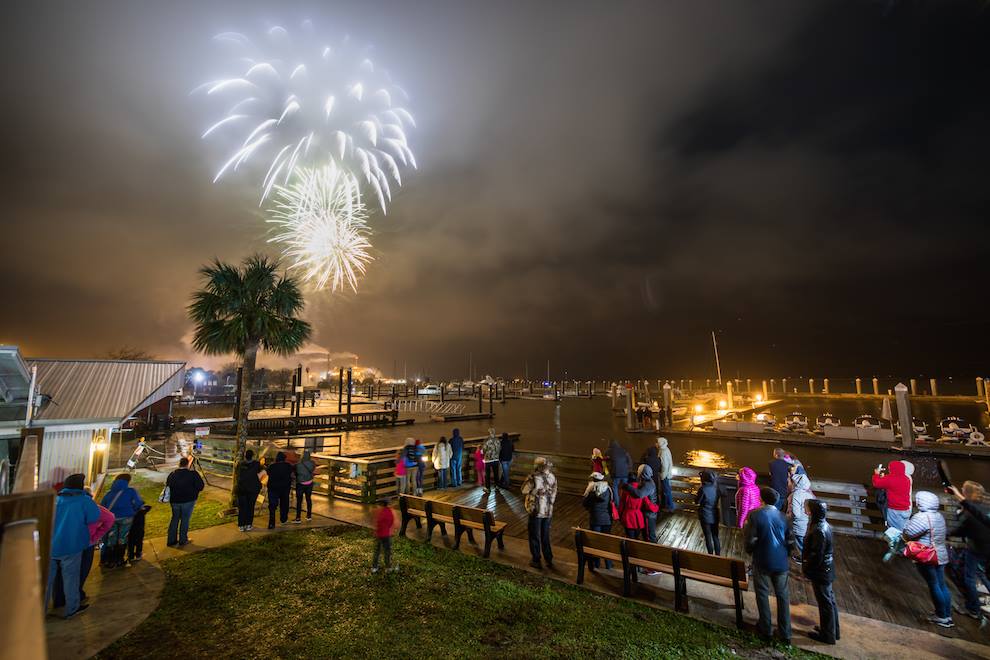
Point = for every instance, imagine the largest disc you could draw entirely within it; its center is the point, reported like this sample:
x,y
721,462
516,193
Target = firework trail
x,y
294,101
321,224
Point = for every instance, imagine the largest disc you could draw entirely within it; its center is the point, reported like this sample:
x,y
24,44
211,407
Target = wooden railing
x,y
27,516
304,423
370,476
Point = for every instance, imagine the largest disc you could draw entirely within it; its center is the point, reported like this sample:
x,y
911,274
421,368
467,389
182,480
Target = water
x,y
575,426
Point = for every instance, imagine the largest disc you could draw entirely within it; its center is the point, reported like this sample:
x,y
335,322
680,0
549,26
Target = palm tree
x,y
244,310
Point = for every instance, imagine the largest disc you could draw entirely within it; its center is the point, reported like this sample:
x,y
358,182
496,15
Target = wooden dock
x,y
893,592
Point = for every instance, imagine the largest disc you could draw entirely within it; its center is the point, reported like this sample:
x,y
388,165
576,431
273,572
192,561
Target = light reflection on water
x,y
574,426
702,458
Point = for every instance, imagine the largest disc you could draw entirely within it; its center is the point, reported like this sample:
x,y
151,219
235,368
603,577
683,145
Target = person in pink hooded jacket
x,y
747,496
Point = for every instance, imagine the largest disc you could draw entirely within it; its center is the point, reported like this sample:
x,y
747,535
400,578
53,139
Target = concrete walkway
x,y
121,598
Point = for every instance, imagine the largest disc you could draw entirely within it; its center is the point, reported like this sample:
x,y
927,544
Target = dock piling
x,y
876,386
980,392
914,387
766,394
904,415
783,386
859,386
811,386
934,385
826,387
728,394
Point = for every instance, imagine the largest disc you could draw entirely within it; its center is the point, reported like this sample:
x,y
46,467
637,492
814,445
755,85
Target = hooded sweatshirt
x,y
75,511
619,461
126,501
456,446
927,525
800,494
598,501
248,482
666,460
747,496
409,453
646,489
817,561
707,498
305,469
101,526
631,508
897,484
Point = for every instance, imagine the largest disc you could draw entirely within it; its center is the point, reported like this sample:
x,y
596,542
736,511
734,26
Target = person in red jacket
x,y
384,521
631,511
897,483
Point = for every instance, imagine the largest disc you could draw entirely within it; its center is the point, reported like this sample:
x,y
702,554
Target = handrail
x,y
27,518
26,477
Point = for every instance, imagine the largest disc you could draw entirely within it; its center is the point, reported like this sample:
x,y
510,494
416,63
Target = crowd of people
x,y
492,463
782,523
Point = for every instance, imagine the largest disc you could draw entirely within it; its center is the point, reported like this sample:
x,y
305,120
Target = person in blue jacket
x,y
456,454
769,539
75,511
123,502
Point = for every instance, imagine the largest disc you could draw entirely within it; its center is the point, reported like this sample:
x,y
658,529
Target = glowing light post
x,y
197,378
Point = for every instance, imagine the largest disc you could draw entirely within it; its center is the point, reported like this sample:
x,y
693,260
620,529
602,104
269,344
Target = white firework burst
x,y
321,225
294,102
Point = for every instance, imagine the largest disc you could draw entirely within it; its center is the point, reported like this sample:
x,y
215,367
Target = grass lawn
x,y
205,513
310,594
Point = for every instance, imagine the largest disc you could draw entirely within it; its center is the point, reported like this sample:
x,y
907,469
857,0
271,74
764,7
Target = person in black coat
x,y
599,503
652,458
279,484
619,464
707,499
973,526
248,488
818,565
506,450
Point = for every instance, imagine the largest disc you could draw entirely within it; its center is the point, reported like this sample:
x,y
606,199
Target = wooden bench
x,y
439,514
595,545
722,571
412,508
463,518
681,564
467,519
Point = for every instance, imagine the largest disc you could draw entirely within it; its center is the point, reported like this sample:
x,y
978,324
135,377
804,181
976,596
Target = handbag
x,y
921,553
166,495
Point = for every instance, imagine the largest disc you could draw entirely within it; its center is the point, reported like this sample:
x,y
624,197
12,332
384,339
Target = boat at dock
x,y
957,429
866,422
796,422
824,420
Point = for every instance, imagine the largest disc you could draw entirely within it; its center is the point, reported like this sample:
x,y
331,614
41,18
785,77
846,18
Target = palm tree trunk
x,y
247,378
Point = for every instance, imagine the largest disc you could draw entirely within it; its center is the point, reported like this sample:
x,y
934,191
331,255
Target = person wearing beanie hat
x,y
769,539
601,509
75,511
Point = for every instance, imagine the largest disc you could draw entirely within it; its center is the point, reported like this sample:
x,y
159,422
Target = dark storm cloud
x,y
600,184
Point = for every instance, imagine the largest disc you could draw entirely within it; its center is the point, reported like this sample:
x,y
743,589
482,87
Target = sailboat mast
x,y
718,367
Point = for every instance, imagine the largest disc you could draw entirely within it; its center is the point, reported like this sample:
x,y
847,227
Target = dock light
x,y
759,398
698,408
723,404
198,376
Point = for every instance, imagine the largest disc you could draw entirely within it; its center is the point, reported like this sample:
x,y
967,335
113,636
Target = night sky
x,y
599,184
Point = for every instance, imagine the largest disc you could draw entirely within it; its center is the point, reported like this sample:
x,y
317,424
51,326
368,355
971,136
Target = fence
x,y
432,407
27,516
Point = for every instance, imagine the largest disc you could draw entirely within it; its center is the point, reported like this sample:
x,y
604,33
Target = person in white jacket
x,y
798,517
441,461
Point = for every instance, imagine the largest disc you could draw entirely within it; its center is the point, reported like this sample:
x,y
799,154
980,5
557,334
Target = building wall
x,y
68,451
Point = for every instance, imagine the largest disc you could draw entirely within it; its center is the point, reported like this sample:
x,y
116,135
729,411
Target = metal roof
x,y
77,390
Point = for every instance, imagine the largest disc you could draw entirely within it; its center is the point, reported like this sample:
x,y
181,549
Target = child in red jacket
x,y
384,520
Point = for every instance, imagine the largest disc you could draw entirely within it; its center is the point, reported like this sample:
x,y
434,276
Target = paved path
x,y
122,598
